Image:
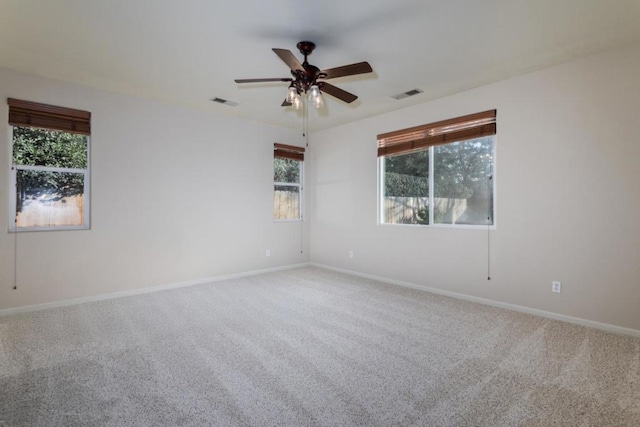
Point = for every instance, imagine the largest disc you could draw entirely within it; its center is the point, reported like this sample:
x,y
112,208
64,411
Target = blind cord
x,y
488,251
305,136
15,260
489,235
15,245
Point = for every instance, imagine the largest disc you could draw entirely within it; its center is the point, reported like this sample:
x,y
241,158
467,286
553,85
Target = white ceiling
x,y
189,51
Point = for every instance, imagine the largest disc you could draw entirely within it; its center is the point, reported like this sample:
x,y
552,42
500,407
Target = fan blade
x,y
285,103
289,59
283,79
337,92
348,70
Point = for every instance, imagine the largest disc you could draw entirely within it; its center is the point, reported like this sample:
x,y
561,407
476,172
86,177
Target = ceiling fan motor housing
x,y
304,79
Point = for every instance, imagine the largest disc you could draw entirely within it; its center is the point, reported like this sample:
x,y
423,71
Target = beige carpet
x,y
310,347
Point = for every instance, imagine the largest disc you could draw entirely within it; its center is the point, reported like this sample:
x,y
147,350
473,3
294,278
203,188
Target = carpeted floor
x,y
310,347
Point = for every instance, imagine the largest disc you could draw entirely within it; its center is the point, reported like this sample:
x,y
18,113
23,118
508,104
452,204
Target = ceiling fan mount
x,y
309,78
306,48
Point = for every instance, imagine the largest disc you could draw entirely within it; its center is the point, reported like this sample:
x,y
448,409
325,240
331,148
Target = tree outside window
x,y
50,170
287,199
460,188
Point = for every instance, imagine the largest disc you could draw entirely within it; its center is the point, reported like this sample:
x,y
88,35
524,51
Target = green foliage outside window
x,y
461,173
43,147
286,170
407,175
287,195
461,167
50,148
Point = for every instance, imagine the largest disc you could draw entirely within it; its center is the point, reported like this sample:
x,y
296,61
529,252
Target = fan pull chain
x,y
305,135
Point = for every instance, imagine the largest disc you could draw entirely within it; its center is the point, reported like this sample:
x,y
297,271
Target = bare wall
x,y
568,203
176,195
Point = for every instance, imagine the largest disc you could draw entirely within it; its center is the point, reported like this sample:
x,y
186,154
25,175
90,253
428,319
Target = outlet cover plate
x,y
556,287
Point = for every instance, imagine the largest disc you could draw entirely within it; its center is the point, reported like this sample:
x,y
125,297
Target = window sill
x,y
57,228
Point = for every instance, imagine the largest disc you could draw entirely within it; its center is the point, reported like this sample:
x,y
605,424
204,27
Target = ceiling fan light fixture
x,y
314,91
292,94
315,96
318,102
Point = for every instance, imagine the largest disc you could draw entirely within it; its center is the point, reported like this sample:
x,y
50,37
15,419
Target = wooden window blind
x,y
27,113
288,151
443,132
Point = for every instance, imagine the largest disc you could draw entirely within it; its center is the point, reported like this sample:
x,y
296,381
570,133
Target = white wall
x,y
176,195
568,203
170,204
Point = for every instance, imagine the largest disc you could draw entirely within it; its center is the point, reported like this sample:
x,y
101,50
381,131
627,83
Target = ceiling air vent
x,y
407,94
225,102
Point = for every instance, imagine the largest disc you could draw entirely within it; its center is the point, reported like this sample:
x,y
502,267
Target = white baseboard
x,y
522,309
528,310
54,304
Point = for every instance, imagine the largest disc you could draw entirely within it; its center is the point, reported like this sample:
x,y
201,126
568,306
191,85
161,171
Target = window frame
x,y
431,197
60,119
423,145
293,153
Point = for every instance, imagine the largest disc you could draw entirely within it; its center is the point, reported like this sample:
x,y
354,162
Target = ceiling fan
x,y
310,79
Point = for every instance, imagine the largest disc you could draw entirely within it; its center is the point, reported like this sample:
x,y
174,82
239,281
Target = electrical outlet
x,y
556,286
350,254
268,252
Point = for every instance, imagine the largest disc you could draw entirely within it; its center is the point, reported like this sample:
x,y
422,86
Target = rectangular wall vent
x,y
225,102
407,94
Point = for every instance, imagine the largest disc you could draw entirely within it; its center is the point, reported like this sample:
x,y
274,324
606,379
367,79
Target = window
x,y
287,182
439,173
50,167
